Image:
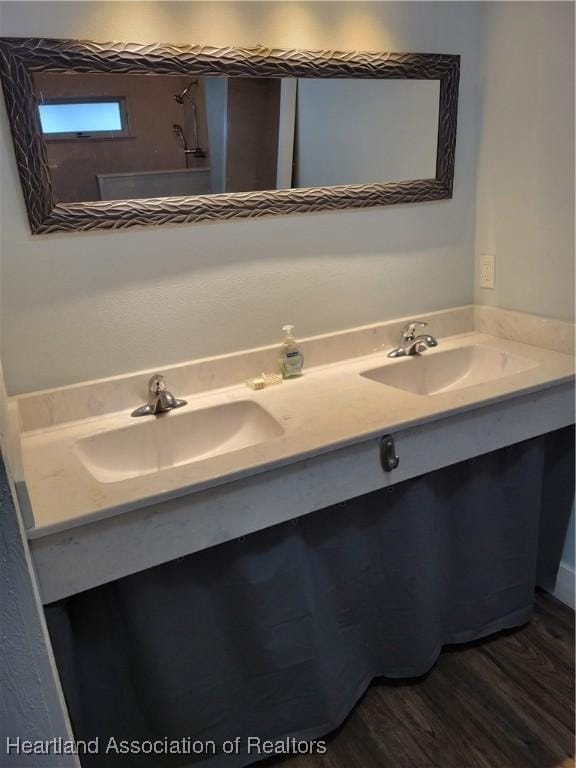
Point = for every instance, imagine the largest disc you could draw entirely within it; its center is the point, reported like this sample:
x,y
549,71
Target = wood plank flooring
x,y
503,702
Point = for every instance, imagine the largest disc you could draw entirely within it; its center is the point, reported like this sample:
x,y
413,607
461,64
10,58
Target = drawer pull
x,y
388,457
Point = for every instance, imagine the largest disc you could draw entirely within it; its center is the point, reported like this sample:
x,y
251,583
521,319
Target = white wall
x,y
32,705
31,700
362,131
526,161
526,169
90,305
216,94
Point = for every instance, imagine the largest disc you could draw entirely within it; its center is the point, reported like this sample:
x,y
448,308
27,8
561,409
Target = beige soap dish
x,y
264,380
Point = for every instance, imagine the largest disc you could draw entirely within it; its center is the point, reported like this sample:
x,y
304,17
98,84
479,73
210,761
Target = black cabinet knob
x,y
388,458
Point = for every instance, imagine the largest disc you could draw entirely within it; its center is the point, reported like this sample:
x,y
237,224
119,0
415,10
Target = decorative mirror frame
x,y
21,57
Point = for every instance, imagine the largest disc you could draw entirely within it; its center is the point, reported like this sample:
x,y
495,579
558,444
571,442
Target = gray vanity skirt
x,y
277,635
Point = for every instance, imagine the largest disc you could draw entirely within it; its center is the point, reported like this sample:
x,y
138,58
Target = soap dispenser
x,y
291,358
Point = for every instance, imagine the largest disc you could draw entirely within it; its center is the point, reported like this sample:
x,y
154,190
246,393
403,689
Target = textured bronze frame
x,y
20,57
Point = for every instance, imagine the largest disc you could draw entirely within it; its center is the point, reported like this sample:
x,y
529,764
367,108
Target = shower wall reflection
x,y
112,137
91,164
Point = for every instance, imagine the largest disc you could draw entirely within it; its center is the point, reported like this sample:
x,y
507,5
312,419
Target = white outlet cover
x,y
487,270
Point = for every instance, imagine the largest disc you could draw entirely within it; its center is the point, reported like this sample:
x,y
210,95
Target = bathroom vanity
x,y
244,565
195,559
109,495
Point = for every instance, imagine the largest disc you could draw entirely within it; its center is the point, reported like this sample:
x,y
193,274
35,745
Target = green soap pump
x,y
291,358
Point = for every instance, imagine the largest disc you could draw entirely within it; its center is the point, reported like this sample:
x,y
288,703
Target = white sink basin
x,y
154,443
450,369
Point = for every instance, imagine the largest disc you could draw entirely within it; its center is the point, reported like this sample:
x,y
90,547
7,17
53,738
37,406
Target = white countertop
x,y
330,407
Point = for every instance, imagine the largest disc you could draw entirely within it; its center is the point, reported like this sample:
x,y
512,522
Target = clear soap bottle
x,y
291,358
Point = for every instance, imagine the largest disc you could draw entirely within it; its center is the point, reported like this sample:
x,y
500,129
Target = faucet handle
x,y
156,384
409,330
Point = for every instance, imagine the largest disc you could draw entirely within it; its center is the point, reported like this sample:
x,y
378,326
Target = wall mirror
x,y
117,135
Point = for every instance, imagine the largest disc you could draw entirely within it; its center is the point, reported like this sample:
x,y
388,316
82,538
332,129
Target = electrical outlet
x,y
487,269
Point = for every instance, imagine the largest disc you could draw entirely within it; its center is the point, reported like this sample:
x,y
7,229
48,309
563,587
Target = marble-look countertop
x,y
330,407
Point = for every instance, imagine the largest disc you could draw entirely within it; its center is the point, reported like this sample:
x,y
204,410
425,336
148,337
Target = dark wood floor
x,y
504,702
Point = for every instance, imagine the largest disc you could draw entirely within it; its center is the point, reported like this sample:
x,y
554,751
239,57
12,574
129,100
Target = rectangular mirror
x,y
123,137
152,135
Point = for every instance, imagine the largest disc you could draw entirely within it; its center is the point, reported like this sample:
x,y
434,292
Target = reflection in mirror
x,y
365,131
117,137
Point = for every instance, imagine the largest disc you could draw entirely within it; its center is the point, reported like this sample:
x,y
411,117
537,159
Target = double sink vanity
x,y
107,495
219,553
207,431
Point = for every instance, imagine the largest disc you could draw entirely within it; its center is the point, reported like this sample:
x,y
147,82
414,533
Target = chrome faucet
x,y
159,399
413,345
